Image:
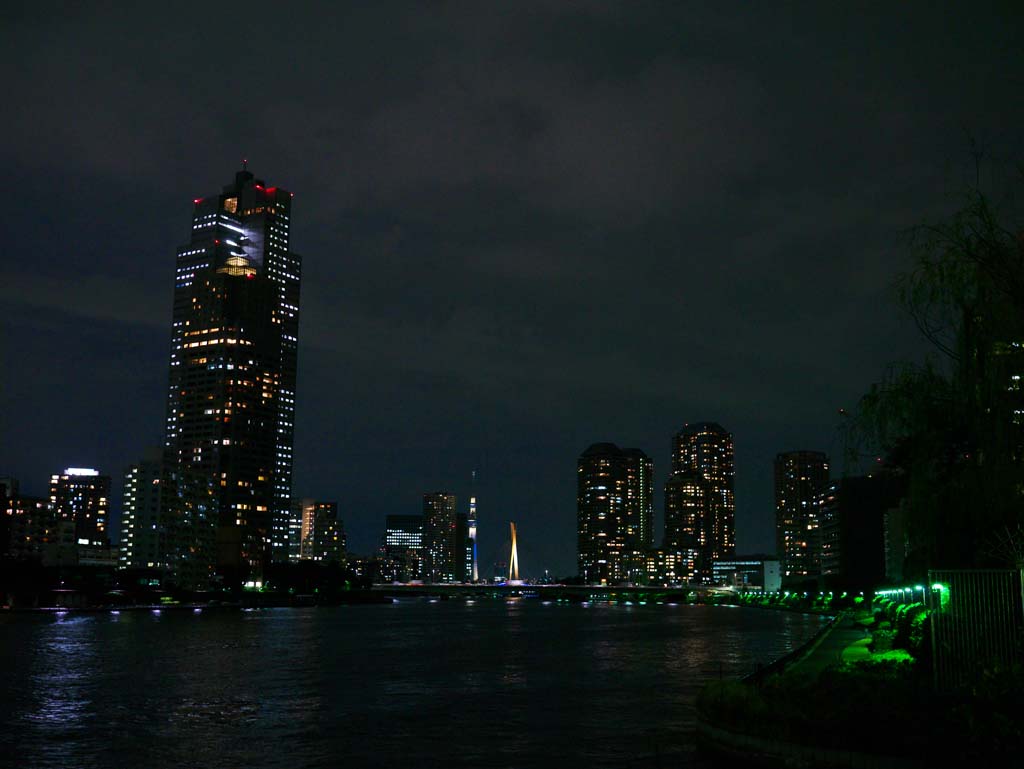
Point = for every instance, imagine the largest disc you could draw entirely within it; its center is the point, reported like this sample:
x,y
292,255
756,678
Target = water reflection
x,y
441,684
60,670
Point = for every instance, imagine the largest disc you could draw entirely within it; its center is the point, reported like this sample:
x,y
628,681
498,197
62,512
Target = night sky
x,y
524,229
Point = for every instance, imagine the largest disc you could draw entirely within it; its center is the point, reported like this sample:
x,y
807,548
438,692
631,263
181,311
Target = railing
x,y
778,666
977,621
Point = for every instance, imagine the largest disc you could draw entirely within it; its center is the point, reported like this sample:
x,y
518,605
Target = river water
x,y
414,684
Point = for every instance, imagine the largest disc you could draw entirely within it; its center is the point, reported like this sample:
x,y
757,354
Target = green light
x,y
938,586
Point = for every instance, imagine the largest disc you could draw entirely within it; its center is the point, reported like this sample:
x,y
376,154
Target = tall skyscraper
x,y
686,507
702,456
231,396
800,477
140,514
614,511
439,537
639,500
80,495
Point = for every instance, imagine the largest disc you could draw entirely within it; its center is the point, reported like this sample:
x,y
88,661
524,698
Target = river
x,y
415,684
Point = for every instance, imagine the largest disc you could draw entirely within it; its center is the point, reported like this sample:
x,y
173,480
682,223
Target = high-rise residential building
x,y
686,514
702,453
403,547
800,477
614,512
80,495
439,535
231,395
639,500
140,514
315,533
328,533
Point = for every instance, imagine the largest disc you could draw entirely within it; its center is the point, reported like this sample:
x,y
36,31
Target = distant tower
x,y
475,576
614,492
439,535
700,500
685,508
800,477
513,561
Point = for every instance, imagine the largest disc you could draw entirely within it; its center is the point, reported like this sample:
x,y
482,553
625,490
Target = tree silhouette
x,y
953,424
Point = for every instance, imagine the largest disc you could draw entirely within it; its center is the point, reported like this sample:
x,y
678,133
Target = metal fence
x,y
977,620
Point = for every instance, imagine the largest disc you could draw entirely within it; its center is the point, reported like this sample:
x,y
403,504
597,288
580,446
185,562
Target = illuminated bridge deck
x,y
555,592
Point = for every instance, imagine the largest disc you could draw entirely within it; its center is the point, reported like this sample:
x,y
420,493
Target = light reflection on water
x,y
416,684
60,674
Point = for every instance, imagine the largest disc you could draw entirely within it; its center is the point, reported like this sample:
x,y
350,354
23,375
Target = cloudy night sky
x,y
526,227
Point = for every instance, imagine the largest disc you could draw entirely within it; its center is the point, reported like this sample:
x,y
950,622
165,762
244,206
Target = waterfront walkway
x,y
845,636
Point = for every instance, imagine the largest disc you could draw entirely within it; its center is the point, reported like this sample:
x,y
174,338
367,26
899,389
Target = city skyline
x,y
525,232
546,365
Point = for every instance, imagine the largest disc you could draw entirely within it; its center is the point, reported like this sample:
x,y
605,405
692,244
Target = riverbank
x,y
795,712
848,699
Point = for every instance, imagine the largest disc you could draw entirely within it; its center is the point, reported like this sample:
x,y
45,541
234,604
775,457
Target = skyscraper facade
x,y
614,512
231,395
686,508
639,500
439,537
702,456
800,478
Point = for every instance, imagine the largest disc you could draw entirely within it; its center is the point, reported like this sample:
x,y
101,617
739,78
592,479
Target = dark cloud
x,y
525,227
